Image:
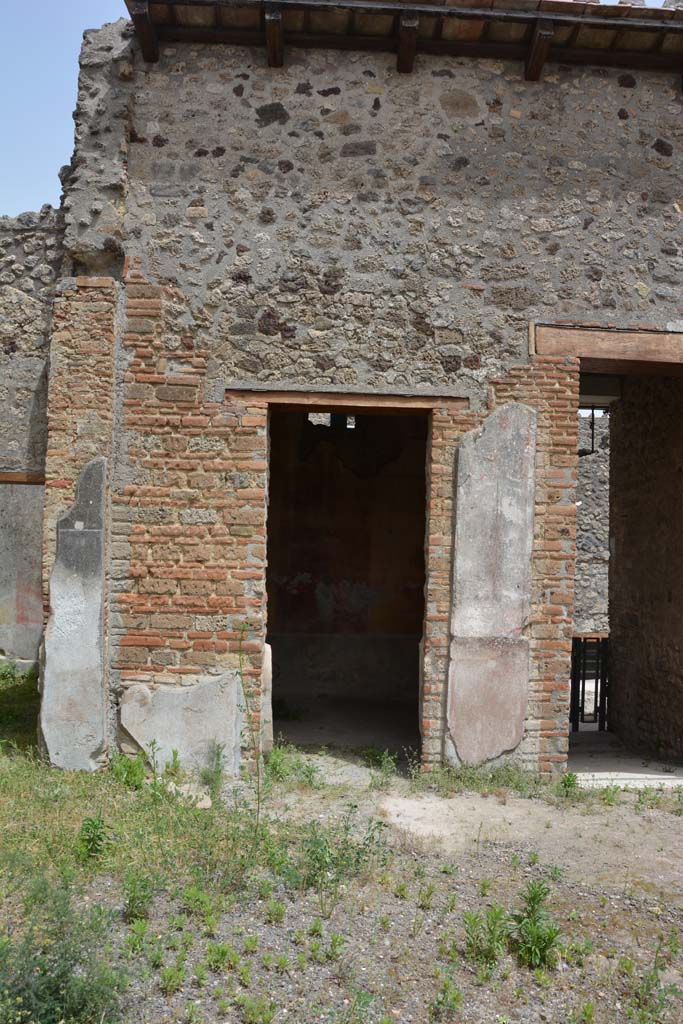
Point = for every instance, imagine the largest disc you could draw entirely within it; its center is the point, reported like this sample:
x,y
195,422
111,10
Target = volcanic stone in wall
x,y
592,529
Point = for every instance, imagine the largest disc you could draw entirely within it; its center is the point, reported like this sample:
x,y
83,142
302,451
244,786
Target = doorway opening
x,y
637,738
346,575
590,639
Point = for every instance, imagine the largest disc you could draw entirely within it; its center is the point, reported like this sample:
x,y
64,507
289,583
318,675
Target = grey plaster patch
x,y
21,601
493,538
267,700
487,697
494,525
73,710
187,718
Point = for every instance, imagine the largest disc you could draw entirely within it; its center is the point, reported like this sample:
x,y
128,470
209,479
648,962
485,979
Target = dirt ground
x,y
407,870
612,846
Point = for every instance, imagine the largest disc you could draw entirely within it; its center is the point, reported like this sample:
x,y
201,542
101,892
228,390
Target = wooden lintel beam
x,y
407,43
538,51
648,60
144,29
274,37
477,13
349,402
604,349
8,476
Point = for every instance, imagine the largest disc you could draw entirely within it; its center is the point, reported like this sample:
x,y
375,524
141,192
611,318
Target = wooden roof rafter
x,y
531,31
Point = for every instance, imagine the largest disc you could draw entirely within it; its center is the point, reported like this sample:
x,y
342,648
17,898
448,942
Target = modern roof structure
x,y
531,31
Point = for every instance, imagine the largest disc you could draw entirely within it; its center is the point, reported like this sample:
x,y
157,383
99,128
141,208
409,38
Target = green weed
x,y
486,935
94,836
128,771
138,891
534,935
56,969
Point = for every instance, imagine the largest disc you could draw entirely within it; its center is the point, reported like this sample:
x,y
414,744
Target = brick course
x,y
188,534
81,393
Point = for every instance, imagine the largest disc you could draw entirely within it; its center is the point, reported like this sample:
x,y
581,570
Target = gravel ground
x,y
391,945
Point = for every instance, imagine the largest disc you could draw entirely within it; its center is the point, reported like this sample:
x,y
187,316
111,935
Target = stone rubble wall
x,y
337,225
30,254
591,613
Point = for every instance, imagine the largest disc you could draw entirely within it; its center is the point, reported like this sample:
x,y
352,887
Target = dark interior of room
x,y
346,531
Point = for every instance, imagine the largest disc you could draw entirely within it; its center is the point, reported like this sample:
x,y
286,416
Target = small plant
x,y
534,936
155,955
485,886
282,963
211,775
210,923
250,944
93,837
649,798
138,891
55,969
576,953
221,955
316,952
647,998
287,765
244,974
200,975
609,796
401,891
196,901
172,978
569,784
128,771
264,888
256,1009
486,935
173,770
275,911
382,765
678,806
135,939
417,924
425,897
447,1001
355,1013
330,856
448,949
316,928
335,947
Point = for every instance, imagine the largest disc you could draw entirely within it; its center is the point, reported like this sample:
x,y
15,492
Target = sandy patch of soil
x,y
612,847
